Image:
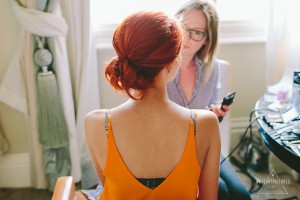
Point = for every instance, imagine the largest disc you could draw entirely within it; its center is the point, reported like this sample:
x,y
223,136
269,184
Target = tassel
x,y
52,125
53,131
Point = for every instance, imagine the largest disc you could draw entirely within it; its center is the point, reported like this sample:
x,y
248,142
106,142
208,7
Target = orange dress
x,y
180,184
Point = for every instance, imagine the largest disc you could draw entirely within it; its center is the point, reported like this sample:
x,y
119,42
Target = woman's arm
x,y
97,140
208,182
215,87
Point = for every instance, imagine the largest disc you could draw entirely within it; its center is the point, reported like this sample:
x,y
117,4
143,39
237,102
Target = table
x,y
271,136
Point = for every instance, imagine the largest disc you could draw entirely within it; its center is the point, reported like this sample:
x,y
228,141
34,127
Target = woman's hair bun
x,y
145,42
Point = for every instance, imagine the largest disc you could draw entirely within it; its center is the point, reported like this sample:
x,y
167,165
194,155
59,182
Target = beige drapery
x,y
3,143
19,83
28,71
19,89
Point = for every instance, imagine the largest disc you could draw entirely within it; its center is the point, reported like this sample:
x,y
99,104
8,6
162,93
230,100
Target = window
x,y
113,11
241,20
241,10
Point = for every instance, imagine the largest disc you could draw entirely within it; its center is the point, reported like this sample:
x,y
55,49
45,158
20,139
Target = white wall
x,y
248,74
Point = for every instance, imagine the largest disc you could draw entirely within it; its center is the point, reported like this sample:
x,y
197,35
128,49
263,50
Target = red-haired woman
x,y
149,147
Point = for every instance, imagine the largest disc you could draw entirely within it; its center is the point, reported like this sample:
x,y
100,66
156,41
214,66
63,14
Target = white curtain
x,y
84,75
283,44
18,88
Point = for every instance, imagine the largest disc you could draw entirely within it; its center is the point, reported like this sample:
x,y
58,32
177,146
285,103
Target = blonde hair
x,y
207,52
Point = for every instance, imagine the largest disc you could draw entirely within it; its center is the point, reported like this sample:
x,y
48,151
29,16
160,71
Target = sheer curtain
x,y
283,44
84,76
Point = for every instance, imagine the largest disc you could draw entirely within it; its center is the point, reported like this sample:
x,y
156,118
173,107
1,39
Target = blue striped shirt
x,y
203,94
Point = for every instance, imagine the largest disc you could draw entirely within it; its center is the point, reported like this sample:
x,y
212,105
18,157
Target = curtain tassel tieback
x,y
53,131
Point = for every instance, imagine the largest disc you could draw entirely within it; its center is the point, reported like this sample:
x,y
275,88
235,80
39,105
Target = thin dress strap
x,y
194,116
106,121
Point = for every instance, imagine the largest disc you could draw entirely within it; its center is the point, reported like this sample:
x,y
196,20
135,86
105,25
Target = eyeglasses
x,y
195,35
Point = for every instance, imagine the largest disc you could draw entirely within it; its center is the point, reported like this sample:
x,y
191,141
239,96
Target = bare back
x,y
150,141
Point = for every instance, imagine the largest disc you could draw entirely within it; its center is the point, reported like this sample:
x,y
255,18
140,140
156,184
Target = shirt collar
x,y
198,64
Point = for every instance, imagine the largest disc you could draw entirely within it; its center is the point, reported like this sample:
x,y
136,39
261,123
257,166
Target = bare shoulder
x,y
94,122
207,135
206,116
94,116
207,124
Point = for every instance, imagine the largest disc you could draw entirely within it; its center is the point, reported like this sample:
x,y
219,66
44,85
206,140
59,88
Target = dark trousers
x,y
230,184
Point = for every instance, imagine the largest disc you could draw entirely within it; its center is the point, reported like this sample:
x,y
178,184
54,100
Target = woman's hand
x,y
220,112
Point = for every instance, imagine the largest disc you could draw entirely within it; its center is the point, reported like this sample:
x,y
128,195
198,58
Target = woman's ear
x,y
169,67
172,70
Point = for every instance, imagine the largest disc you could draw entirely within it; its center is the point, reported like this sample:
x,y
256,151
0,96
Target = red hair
x,y
145,43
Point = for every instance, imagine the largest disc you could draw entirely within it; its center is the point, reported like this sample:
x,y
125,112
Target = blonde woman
x,y
196,85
